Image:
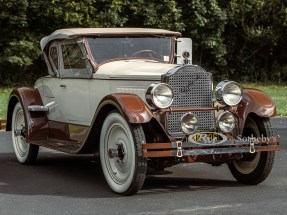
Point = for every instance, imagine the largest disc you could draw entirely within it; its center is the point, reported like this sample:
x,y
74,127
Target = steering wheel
x,y
145,53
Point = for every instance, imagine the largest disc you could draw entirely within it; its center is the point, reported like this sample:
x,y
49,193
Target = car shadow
x,y
157,185
58,174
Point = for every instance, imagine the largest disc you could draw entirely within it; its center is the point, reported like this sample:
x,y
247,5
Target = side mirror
x,y
184,51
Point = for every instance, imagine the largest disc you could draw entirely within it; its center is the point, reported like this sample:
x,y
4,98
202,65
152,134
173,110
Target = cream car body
x,y
69,95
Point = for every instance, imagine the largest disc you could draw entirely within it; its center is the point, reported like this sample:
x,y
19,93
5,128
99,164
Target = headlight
x,y
159,95
228,93
226,121
189,123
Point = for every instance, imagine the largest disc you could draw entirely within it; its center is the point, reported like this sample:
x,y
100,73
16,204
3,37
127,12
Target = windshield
x,y
152,48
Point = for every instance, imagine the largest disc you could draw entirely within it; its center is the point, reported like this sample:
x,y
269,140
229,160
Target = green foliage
x,y
73,13
111,13
13,24
255,35
21,52
12,19
205,23
156,14
237,39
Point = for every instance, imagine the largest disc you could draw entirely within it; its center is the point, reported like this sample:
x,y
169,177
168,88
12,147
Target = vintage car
x,y
133,97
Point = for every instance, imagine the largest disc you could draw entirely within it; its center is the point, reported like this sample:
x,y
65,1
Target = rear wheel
x,y
25,153
254,168
121,154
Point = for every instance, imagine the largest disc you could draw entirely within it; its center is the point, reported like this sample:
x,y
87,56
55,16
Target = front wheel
x,y
121,157
254,168
25,153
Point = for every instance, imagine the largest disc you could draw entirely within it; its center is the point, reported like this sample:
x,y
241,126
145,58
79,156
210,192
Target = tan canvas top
x,y
76,32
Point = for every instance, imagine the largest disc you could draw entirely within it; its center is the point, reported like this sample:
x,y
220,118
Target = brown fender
x,y
36,122
257,102
132,107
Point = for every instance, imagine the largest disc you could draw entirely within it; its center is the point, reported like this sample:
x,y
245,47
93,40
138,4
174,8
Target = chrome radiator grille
x,y
192,87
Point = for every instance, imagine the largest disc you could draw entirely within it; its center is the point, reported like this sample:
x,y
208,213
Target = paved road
x,y
65,184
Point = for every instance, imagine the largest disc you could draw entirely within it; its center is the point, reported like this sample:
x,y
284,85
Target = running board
x,y
71,147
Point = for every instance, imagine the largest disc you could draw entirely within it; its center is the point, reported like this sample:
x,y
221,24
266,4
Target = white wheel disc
x,y
21,148
118,171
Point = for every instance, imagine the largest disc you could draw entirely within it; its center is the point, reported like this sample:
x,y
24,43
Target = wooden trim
x,y
186,148
157,146
174,153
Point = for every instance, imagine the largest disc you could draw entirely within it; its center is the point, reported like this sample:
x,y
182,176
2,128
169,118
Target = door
x,y
75,80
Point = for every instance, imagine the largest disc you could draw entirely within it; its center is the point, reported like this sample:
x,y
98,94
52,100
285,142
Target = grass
x,y
277,92
4,95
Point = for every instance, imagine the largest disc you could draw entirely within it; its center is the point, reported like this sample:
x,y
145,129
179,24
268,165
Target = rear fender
x,y
36,122
254,102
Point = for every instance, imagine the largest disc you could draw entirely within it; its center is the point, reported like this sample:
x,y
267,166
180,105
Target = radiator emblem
x,y
189,85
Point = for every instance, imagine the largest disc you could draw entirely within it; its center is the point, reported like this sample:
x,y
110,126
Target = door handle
x,y
63,85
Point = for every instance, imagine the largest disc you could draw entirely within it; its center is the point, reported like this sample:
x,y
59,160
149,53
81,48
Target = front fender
x,y
36,122
257,102
132,107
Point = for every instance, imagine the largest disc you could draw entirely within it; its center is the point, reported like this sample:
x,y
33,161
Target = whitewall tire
x,y
121,155
25,153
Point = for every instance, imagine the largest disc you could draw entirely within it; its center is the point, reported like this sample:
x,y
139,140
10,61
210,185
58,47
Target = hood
x,y
134,69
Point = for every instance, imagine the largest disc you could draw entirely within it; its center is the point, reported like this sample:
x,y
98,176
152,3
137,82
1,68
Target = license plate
x,y
207,138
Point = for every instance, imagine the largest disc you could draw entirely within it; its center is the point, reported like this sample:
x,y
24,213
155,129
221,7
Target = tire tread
x,y
141,168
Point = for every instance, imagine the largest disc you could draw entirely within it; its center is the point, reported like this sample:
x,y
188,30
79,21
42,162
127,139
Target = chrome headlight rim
x,y
181,123
221,93
151,95
219,120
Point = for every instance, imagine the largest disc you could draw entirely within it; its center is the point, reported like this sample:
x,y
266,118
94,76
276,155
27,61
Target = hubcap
x,y
118,152
118,159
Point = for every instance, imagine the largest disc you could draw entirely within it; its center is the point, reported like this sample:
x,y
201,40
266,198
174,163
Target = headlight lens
x,y
228,93
226,121
159,95
189,123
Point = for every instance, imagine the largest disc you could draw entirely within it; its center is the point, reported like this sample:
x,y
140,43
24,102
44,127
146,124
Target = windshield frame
x,y
96,65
